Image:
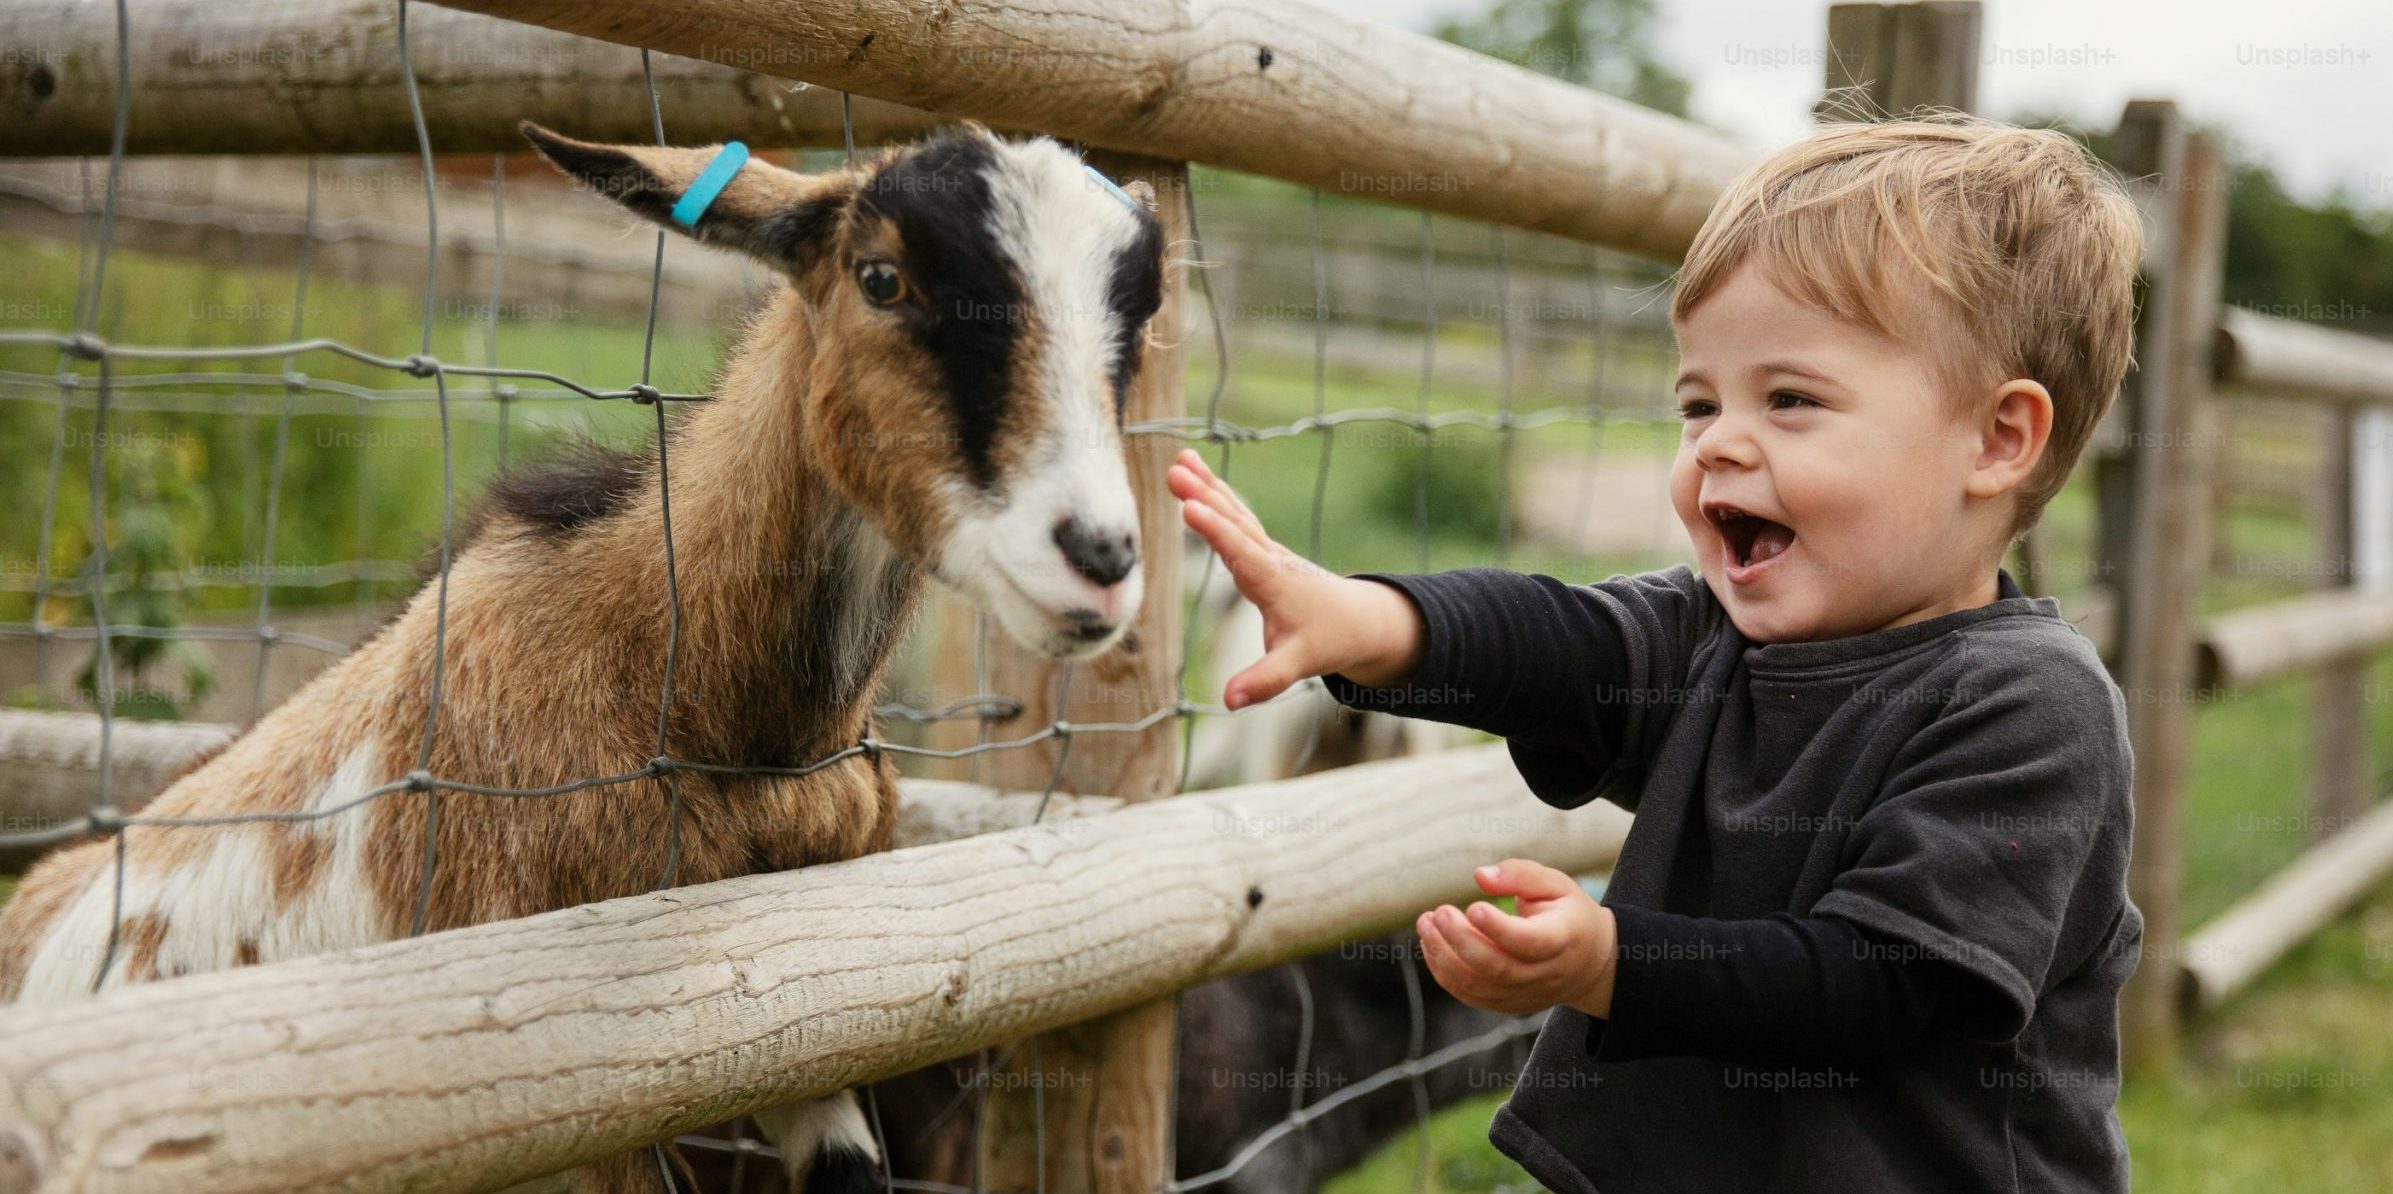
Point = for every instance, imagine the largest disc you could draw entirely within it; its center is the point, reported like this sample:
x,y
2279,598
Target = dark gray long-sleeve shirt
x,y
1956,788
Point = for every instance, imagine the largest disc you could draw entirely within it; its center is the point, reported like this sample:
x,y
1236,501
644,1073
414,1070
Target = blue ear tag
x,y
711,181
1117,192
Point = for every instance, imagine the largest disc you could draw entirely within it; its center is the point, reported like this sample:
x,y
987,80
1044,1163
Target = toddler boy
x,y
1869,928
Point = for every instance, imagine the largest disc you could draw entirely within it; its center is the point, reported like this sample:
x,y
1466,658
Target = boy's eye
x,y
1697,408
1790,400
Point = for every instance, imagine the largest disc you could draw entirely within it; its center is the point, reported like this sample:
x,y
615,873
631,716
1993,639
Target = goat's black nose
x,y
1102,556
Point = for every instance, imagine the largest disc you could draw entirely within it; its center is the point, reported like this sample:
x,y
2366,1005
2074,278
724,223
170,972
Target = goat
x,y
934,390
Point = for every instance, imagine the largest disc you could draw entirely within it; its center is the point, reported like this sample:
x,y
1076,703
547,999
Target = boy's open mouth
x,y
1751,539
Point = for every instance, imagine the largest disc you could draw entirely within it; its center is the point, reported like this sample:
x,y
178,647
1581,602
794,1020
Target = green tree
x,y
1603,44
2327,262
159,500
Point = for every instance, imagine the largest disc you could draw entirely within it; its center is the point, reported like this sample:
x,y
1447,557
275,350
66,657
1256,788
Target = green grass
x,y
1461,1161
2291,1088
207,471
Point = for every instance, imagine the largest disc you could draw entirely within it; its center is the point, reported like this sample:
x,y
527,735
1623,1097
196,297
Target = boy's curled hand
x,y
1558,948
1314,621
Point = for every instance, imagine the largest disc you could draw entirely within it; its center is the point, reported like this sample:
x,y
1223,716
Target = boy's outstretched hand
x,y
1558,949
1314,621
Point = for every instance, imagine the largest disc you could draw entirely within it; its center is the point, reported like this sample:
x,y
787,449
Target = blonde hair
x,y
2022,243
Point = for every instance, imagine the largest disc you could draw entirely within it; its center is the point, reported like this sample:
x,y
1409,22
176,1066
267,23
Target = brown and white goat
x,y
936,391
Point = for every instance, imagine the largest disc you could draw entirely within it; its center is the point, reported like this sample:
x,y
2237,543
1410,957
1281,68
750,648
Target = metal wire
x,y
87,321
88,343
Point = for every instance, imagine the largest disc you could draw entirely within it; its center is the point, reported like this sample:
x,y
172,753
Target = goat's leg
x,y
825,1144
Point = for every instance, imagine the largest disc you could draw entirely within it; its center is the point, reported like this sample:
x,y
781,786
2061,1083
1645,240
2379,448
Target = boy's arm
x,y
1557,669
1785,990
1572,676
1515,655
1999,840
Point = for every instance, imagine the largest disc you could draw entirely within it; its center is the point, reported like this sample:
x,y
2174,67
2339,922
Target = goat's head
x,y
978,309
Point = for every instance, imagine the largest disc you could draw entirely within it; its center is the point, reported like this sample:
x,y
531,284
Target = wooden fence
x,y
2334,634
509,1050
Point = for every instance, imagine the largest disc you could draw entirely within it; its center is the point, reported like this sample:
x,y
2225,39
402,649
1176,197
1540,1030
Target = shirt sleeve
x,y
1996,821
1577,679
1783,990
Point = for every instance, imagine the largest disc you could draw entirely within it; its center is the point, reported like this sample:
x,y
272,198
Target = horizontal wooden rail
x,y
1283,89
2224,956
50,777
2295,359
50,767
2268,641
2263,642
470,1059
299,76
565,258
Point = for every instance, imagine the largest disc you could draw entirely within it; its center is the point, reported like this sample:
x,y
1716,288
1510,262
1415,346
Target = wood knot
x,y
40,83
178,1148
20,1161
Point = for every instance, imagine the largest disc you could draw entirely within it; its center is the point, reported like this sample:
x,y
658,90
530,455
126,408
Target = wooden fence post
x,y
1096,1106
1892,59
1897,58
2372,495
2340,783
2169,465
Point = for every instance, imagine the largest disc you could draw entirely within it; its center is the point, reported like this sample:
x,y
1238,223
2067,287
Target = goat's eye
x,y
882,285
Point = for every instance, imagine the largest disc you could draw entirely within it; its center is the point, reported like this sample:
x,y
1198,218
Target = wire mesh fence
x,y
1393,390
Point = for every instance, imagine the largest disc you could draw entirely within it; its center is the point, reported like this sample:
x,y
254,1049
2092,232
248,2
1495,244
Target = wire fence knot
x,y
419,781
646,395
85,346
420,365
105,820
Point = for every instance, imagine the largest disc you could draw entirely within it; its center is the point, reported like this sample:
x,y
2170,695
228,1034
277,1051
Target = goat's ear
x,y
780,217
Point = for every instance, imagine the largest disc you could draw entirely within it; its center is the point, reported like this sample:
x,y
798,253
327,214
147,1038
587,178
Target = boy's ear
x,y
2015,428
780,217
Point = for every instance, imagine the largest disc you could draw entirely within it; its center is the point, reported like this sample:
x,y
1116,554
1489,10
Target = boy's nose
x,y
1723,445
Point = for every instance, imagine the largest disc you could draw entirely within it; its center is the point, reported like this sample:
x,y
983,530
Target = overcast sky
x,y
2305,85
